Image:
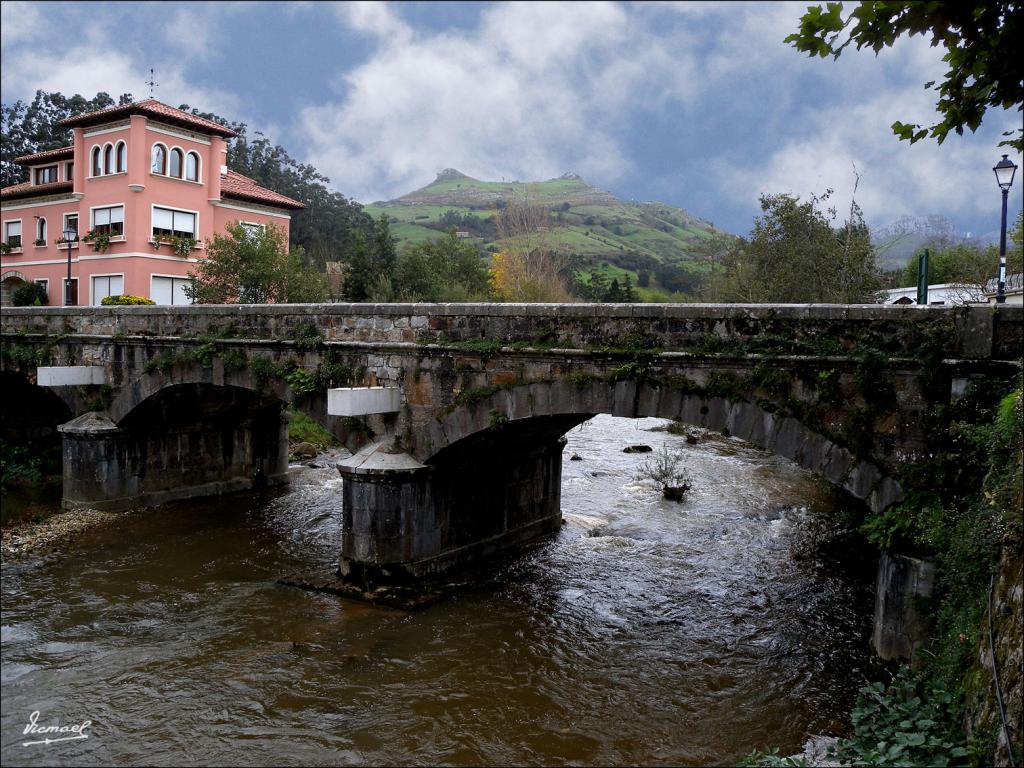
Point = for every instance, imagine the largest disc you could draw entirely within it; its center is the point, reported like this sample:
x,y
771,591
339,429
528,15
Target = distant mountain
x,y
649,241
897,242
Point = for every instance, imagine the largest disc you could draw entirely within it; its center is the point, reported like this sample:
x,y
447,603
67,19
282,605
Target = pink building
x,y
151,178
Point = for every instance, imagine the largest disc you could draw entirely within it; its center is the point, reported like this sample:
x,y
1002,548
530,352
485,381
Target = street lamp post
x,y
1004,171
70,236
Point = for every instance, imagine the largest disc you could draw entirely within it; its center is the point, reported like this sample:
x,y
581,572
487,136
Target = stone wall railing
x,y
980,332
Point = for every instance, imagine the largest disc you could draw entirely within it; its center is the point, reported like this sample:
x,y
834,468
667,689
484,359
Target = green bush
x,y
770,758
18,465
301,381
109,301
897,725
29,295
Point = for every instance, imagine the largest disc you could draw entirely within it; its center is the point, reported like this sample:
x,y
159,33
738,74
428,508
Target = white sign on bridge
x,y
70,375
362,401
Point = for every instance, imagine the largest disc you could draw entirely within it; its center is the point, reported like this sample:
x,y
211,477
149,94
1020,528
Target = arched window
x,y
41,231
159,159
192,166
108,159
96,167
122,157
175,169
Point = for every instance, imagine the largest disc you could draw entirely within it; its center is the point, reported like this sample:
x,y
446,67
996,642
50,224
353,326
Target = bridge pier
x,y
404,521
112,467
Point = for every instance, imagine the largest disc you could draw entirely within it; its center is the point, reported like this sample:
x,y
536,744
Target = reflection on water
x,y
645,632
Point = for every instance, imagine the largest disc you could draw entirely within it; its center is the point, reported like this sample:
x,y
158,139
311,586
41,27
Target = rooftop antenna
x,y
152,83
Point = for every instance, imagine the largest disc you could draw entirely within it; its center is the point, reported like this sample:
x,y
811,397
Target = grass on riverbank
x,y
303,429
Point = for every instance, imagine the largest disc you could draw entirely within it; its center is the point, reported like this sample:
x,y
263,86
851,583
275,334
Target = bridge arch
x,y
30,417
485,474
30,410
542,409
137,391
167,440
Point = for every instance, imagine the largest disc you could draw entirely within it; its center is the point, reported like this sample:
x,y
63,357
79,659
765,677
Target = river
x,y
645,632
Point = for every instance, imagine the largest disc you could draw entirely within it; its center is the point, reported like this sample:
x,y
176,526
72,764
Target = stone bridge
x,y
187,401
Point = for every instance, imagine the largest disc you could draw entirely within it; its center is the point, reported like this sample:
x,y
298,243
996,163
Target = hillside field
x,y
601,233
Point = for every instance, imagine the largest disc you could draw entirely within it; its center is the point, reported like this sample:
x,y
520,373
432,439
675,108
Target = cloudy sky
x,y
700,105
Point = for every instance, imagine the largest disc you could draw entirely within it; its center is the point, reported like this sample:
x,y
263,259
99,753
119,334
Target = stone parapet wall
x,y
954,332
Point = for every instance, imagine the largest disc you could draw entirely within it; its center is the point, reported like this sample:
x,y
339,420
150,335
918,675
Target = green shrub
x,y
301,381
898,725
109,301
18,465
29,295
770,758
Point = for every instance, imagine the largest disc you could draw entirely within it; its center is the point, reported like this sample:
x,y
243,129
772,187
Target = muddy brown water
x,y
645,632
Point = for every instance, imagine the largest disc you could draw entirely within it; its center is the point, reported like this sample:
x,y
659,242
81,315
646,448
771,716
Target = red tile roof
x,y
28,189
242,187
150,108
50,154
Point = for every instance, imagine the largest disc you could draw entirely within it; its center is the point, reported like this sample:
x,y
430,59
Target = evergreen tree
x,y
385,255
628,294
614,294
359,270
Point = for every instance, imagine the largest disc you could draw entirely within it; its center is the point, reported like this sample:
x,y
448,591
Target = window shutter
x,y
162,218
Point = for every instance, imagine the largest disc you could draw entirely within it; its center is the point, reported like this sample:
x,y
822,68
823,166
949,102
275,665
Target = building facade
x,y
143,186
942,293
1013,289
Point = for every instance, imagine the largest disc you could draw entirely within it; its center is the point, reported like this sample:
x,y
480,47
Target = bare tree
x,y
529,266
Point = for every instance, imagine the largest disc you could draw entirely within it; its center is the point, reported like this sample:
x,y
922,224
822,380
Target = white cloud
x,y
193,31
88,64
534,90
88,69
649,99
829,142
17,17
374,18
896,178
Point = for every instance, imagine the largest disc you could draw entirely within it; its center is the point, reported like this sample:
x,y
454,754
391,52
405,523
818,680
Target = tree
x,y
445,269
254,267
961,263
359,271
982,40
386,256
966,263
794,255
628,294
527,268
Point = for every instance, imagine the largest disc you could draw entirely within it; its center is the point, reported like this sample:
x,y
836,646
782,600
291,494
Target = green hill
x,y
651,242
